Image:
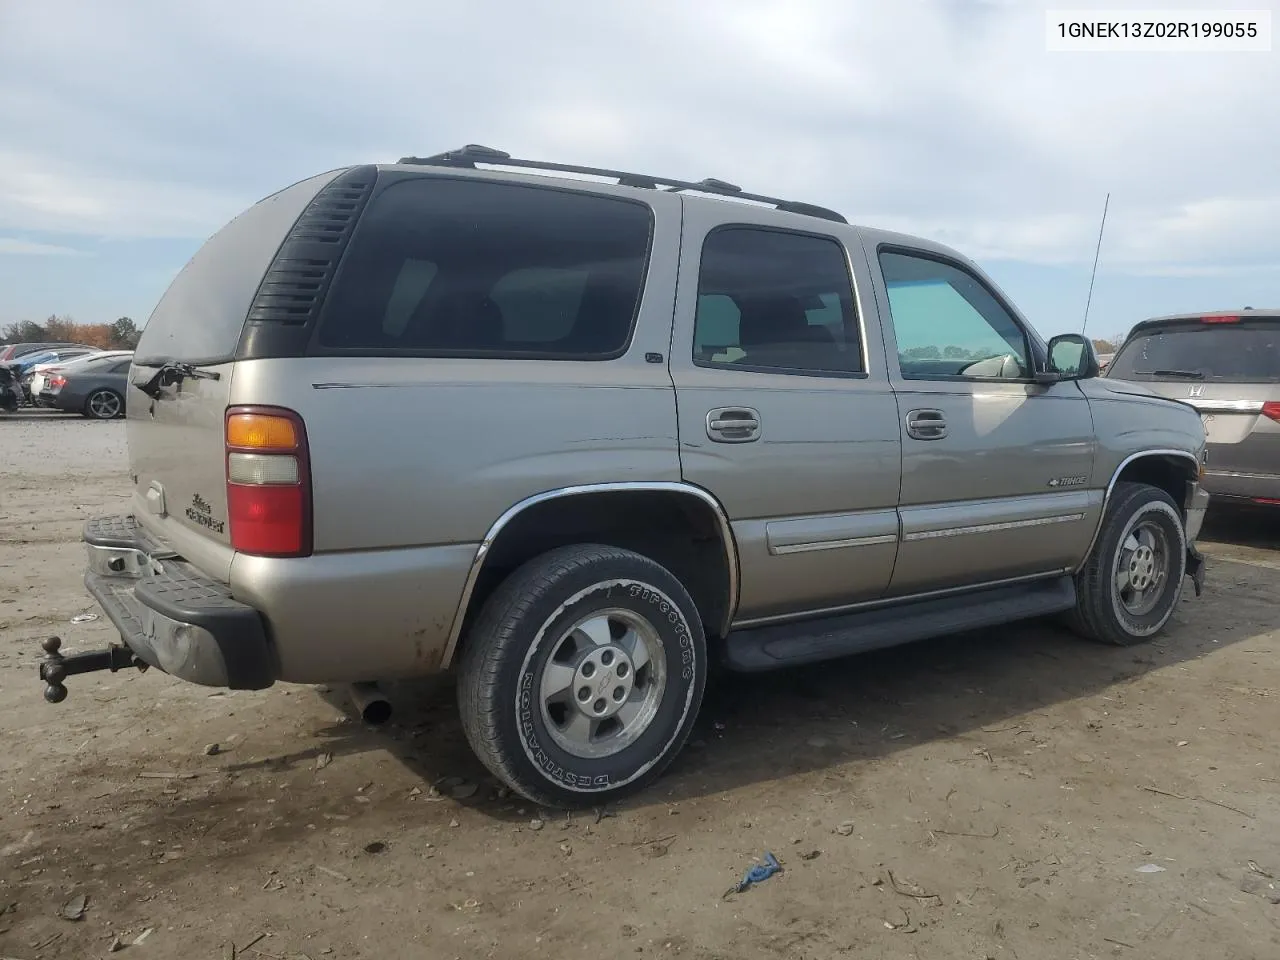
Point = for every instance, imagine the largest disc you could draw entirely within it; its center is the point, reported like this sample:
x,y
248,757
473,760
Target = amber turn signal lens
x,y
256,431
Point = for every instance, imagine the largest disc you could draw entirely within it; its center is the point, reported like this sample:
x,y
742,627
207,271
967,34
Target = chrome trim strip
x,y
892,601
991,527
666,486
1111,485
784,549
1224,406
859,306
1234,475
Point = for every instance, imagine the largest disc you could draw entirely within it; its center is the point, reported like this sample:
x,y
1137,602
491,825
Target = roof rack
x,y
472,154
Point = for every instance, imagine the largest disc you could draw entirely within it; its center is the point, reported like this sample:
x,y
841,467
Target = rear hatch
x,y
1227,366
180,381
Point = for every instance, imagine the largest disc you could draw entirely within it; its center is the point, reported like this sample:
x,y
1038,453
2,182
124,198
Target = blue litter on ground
x,y
758,874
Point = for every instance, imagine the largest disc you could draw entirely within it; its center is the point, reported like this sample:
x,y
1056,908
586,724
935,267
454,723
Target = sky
x,y
131,130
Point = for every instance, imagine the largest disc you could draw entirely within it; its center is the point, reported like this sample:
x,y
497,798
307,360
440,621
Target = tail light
x,y
268,482
1271,409
1220,318
55,382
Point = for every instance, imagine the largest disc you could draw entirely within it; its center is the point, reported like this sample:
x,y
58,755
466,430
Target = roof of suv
x,y
467,157
488,162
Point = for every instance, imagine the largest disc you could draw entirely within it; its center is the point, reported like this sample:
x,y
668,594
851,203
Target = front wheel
x,y
583,675
1130,585
103,404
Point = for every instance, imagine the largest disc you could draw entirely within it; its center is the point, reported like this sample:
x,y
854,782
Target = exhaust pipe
x,y
370,701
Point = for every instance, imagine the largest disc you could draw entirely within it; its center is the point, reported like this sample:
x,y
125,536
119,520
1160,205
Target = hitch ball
x,y
53,671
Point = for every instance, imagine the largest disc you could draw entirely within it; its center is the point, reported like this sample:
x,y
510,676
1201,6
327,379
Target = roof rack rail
x,y
473,153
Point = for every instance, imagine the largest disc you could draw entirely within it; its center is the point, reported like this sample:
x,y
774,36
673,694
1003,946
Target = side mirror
x,y
1071,357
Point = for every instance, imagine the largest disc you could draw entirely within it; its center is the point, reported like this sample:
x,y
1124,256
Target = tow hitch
x,y
55,668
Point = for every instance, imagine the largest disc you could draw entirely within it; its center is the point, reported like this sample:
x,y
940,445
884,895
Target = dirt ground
x,y
1014,794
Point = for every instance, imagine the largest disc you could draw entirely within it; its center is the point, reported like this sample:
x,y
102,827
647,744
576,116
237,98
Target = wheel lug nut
x,y
588,669
607,657
599,706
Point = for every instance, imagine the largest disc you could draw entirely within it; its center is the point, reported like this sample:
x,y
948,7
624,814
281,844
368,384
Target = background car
x,y
11,352
1227,366
25,366
95,388
41,372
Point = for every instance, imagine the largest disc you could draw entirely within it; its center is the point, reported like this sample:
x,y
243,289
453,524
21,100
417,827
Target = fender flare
x,y
1111,485
728,543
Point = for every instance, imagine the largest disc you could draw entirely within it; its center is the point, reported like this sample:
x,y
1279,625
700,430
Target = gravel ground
x,y
1016,793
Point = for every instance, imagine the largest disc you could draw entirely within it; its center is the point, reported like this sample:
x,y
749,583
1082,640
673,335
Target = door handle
x,y
733,425
926,424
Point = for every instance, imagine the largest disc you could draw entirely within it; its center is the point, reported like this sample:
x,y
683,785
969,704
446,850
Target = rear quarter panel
x,y
408,452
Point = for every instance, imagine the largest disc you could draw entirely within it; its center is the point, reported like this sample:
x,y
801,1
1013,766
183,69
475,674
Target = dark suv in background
x,y
1227,366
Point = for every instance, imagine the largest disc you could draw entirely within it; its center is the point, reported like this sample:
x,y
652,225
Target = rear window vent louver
x,y
294,286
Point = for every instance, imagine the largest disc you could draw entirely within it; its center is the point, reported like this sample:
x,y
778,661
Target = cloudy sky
x,y
132,129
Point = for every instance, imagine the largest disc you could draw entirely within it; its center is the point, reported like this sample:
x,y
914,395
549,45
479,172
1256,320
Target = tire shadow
x,y
763,727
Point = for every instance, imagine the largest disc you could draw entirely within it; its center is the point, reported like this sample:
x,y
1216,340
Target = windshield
x,y
1247,352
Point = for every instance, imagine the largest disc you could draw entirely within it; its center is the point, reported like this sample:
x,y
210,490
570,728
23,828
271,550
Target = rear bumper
x,y
1242,486
64,400
170,615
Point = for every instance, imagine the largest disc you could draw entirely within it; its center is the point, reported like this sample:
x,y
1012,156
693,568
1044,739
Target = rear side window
x,y
444,267
1246,351
202,314
775,302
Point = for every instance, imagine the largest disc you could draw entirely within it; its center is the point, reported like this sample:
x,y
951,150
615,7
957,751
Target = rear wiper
x,y
168,373
1184,374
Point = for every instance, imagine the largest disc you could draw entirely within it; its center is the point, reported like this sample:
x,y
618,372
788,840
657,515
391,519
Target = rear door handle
x,y
733,425
926,424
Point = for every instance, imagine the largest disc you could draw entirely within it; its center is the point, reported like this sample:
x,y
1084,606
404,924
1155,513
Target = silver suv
x,y
573,432
1227,366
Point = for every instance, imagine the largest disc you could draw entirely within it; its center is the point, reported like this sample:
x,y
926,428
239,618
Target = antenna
x,y
1096,254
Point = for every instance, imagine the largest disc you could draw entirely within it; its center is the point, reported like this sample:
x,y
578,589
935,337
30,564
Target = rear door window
x,y
1246,352
452,267
774,301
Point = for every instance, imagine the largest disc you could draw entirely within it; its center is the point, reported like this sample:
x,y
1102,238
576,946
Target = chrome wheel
x,y
1142,567
603,682
104,405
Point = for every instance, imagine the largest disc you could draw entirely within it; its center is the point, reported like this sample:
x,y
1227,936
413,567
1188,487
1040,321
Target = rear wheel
x,y
1131,583
583,675
103,404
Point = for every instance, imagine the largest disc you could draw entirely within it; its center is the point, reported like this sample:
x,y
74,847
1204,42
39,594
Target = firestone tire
x,y
583,675
1131,583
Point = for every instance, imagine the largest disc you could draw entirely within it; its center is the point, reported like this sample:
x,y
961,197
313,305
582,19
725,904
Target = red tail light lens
x,y
1220,318
268,482
1272,410
56,383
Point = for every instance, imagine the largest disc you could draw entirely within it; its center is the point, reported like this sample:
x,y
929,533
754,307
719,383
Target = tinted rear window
x,y
201,315
1244,352
450,267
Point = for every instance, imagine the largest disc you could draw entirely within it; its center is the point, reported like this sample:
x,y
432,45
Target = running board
x,y
756,649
